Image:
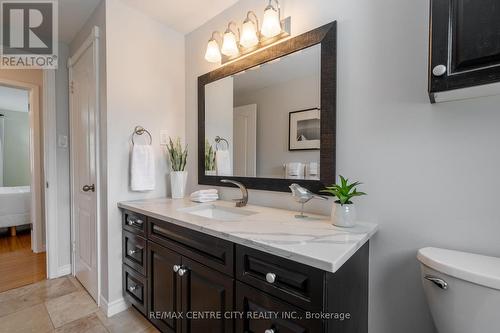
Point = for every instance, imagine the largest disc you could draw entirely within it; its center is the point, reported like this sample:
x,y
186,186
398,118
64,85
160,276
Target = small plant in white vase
x,y
178,176
343,210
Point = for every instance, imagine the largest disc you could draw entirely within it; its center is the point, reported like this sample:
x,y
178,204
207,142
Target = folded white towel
x,y
201,192
204,198
142,168
223,163
211,196
294,170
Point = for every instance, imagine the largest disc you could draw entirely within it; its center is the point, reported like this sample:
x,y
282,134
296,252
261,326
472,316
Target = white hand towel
x,y
142,168
223,163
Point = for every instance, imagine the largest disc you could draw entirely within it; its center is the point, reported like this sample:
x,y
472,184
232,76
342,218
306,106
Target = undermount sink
x,y
218,212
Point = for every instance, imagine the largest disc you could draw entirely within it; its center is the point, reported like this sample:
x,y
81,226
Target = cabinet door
x,y
206,291
465,43
265,313
164,293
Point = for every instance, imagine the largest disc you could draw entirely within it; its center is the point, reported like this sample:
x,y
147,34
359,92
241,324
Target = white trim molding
x,y
50,169
64,270
112,308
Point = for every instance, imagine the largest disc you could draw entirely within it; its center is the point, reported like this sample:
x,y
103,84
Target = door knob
x,y
269,331
439,70
182,271
87,188
270,277
176,268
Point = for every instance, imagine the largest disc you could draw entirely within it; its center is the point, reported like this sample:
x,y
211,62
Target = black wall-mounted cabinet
x,y
464,44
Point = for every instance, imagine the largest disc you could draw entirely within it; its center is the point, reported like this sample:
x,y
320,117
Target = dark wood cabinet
x,y
464,44
184,281
204,291
264,313
164,288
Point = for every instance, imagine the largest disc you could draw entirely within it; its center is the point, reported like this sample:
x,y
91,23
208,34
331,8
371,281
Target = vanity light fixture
x,y
234,44
213,51
249,31
271,24
230,43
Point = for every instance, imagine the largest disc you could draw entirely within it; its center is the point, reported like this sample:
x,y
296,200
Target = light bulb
x,y
248,34
271,25
213,53
229,46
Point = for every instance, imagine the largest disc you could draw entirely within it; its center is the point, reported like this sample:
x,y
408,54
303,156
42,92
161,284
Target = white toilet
x,y
462,289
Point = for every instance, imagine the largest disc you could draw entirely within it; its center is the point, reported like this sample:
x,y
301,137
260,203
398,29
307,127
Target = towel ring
x,y
218,142
139,130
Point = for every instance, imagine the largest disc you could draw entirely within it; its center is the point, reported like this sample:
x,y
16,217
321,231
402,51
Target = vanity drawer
x,y
134,222
134,251
289,319
135,288
208,250
293,282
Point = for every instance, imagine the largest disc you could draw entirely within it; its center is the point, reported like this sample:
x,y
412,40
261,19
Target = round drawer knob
x,y
439,70
132,288
130,222
131,252
269,331
182,271
270,277
176,268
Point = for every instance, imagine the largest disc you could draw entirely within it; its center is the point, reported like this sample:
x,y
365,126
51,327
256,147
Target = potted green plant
x,y
178,176
343,210
209,159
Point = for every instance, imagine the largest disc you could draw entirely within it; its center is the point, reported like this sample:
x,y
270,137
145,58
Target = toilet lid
x,y
475,268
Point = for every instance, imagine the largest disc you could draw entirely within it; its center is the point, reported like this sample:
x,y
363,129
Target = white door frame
x,y
35,159
50,170
91,42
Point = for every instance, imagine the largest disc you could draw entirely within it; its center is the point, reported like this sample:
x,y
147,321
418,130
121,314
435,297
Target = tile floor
x,y
62,305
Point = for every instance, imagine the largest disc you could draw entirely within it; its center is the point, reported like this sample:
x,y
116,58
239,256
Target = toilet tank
x,y
462,290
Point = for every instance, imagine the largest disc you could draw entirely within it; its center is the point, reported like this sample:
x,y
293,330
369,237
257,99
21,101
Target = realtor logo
x,y
29,34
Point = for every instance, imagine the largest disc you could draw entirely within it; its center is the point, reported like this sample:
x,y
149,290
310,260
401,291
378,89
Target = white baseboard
x,y
114,307
64,270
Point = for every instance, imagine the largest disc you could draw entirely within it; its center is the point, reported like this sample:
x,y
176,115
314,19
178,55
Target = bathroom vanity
x,y
216,268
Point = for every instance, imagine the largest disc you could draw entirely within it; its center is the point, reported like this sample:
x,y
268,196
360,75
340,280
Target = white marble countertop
x,y
313,241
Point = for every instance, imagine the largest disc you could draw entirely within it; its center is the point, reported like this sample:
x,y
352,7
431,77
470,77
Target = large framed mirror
x,y
269,119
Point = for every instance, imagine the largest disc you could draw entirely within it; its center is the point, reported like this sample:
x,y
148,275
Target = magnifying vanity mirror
x,y
268,120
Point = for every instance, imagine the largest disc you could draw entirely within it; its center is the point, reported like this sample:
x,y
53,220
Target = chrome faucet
x,y
244,200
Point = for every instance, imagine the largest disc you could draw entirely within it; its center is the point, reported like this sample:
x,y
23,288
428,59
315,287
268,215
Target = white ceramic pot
x,y
178,181
343,215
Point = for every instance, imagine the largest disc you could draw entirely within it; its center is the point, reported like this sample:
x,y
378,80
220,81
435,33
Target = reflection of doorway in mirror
x,y
304,129
245,140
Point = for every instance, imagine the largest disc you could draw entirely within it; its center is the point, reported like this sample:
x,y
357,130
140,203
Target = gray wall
x,y
219,113
417,160
274,103
62,155
16,148
145,86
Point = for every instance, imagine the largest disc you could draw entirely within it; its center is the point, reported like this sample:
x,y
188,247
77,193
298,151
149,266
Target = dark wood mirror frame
x,y
327,37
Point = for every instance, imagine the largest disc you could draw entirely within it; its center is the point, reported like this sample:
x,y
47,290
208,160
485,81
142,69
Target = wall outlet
x,y
163,138
62,141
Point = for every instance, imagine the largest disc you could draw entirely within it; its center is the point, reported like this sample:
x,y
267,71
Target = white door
x,y
245,140
83,158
